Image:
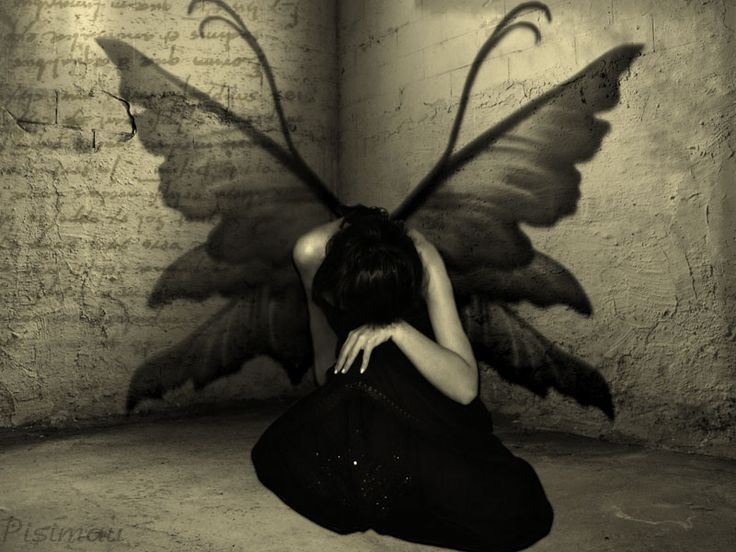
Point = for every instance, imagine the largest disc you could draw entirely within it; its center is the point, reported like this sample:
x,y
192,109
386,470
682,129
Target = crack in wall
x,y
131,118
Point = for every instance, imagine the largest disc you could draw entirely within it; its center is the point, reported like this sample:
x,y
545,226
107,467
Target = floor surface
x,y
187,485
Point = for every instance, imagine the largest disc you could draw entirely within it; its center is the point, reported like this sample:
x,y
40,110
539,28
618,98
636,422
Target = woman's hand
x,y
364,338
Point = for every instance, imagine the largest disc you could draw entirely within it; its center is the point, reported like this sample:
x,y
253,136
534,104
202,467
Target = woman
x,y
396,438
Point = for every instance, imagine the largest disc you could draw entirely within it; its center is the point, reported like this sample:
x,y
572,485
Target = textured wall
x,y
653,241
85,232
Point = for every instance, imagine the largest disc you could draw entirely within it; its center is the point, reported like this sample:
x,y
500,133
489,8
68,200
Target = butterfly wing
x,y
218,165
255,321
523,171
522,355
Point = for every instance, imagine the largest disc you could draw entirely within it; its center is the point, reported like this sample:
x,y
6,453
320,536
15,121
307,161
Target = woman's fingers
x,y
366,356
338,362
344,350
354,351
348,352
363,339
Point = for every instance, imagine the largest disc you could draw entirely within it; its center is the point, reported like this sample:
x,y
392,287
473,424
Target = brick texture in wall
x,y
86,230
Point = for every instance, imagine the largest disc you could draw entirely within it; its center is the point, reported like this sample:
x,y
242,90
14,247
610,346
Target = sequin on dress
x,y
386,450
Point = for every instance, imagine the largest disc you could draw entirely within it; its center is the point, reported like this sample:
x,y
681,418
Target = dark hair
x,y
372,272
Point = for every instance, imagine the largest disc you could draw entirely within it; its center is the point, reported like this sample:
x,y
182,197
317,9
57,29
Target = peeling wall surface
x,y
86,233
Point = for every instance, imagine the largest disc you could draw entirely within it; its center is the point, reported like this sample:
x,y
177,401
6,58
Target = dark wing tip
x,y
130,403
582,304
112,47
621,57
625,53
134,398
635,49
156,299
609,410
604,402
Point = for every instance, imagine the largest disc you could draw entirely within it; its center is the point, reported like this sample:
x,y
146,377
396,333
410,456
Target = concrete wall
x,y
85,231
653,241
86,234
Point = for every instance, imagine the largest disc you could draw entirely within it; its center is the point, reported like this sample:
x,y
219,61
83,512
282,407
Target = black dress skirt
x,y
386,450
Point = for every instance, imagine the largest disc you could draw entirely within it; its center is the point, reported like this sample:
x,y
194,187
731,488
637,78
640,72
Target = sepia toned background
x,y
370,88
86,234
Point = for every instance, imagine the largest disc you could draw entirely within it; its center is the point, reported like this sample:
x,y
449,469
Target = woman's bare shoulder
x,y
426,249
309,248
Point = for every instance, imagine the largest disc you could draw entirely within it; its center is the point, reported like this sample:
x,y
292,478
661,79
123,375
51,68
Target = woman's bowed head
x,y
369,271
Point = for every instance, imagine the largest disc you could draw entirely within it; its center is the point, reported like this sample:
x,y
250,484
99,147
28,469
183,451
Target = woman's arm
x,y
448,363
308,253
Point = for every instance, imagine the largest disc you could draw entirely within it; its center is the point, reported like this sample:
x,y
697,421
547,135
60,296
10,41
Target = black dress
x,y
386,450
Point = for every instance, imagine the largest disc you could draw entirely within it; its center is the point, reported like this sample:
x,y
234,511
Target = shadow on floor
x,y
185,484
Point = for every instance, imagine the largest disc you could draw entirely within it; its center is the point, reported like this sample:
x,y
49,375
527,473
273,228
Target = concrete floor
x,y
186,484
